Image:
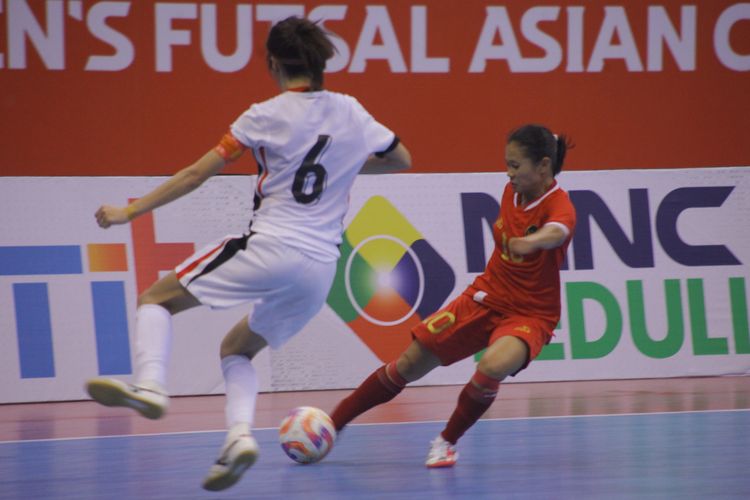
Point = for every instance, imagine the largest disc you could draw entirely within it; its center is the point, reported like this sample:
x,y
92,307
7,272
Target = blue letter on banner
x,y
34,330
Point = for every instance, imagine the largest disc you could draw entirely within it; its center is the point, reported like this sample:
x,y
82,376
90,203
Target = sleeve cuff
x,y
390,148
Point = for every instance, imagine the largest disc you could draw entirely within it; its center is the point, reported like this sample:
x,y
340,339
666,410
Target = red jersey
x,y
526,285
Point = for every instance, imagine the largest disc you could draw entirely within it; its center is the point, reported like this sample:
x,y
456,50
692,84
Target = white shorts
x,y
287,287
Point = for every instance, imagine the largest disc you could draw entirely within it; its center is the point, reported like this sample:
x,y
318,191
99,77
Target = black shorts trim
x,y
230,250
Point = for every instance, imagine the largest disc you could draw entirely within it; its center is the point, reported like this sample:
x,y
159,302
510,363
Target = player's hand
x,y
521,246
107,216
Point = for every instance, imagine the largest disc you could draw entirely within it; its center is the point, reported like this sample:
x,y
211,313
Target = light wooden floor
x,y
515,400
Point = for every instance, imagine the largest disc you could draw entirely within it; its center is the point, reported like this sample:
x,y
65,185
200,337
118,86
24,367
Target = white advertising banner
x,y
655,283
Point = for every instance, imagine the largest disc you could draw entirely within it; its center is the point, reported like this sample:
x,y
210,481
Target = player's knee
x,y
152,295
492,370
230,347
227,350
506,357
415,362
405,365
146,298
224,353
499,367
241,341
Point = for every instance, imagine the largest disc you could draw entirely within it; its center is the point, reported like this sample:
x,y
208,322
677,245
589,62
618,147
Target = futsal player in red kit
x,y
510,309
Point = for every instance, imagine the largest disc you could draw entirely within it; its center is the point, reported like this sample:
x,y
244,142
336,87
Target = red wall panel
x,y
661,84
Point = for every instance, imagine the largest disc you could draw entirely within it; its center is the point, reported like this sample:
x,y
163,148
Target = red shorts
x,y
465,327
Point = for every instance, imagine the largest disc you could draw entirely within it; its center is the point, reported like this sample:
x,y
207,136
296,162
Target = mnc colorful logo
x,y
388,278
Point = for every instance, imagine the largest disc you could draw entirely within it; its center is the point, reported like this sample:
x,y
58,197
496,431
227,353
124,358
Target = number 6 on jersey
x,y
310,178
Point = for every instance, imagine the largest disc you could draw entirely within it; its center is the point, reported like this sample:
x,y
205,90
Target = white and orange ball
x,y
307,434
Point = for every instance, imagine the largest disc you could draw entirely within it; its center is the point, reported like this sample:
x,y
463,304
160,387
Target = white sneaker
x,y
147,398
236,457
442,454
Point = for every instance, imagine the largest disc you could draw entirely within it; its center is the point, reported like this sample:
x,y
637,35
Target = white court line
x,y
222,431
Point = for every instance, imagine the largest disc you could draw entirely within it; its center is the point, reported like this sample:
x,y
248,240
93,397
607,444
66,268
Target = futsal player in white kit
x,y
309,144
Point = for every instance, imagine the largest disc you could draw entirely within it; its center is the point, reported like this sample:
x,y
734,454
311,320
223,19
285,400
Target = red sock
x,y
380,387
473,401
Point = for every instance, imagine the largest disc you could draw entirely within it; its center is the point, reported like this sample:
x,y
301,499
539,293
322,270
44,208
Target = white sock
x,y
242,390
153,343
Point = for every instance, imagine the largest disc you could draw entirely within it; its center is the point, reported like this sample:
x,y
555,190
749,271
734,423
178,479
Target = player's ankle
x,y
238,429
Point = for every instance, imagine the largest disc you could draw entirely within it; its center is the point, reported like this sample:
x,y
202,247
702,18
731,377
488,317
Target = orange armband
x,y
229,148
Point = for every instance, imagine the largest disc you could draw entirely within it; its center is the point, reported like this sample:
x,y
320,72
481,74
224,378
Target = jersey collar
x,y
517,197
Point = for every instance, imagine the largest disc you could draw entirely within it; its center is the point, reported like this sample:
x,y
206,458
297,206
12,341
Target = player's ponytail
x,y
562,143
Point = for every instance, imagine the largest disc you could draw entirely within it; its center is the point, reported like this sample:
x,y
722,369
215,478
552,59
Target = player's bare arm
x,y
549,236
181,183
393,161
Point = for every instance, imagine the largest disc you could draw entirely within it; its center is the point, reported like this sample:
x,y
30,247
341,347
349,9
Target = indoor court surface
x,y
659,438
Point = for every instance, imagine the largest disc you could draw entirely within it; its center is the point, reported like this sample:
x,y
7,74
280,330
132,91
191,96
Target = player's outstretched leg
x,y
147,398
442,453
237,455
381,386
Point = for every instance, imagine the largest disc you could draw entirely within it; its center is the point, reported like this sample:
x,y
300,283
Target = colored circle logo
x,y
400,279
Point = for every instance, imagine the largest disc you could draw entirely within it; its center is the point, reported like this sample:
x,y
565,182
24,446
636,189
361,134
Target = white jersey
x,y
309,146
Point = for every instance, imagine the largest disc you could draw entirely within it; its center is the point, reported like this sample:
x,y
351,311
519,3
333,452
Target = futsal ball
x,y
306,434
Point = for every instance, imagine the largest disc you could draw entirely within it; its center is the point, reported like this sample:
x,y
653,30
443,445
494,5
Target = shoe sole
x,y
112,394
233,474
440,465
